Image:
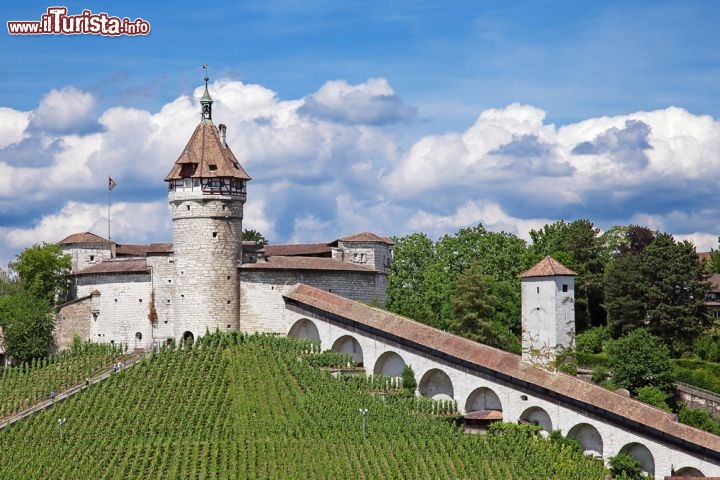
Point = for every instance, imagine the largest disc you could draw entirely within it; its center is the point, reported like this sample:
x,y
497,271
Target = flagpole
x,y
108,215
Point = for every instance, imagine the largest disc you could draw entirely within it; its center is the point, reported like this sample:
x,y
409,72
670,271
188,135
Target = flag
x,y
111,183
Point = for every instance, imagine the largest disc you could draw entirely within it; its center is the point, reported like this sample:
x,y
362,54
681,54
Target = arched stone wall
x,y
538,416
689,472
390,364
437,385
304,328
482,398
589,438
643,455
349,344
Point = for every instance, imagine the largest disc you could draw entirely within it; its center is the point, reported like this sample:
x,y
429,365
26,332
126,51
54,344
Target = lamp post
x,y
363,413
61,422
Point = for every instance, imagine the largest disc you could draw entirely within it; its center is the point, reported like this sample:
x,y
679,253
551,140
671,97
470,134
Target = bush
x,y
654,396
707,347
640,359
698,418
408,380
592,340
600,374
572,443
625,466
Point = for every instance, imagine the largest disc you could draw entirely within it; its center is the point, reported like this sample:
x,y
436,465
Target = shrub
x,y
600,374
592,340
654,396
408,380
707,347
640,359
625,466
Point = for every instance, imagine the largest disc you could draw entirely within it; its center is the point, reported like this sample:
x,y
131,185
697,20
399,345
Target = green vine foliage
x,y
238,406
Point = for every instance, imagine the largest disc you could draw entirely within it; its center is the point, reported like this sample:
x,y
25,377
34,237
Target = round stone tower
x,y
206,195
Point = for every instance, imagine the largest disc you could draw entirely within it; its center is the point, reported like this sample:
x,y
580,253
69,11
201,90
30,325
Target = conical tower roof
x,y
206,155
548,267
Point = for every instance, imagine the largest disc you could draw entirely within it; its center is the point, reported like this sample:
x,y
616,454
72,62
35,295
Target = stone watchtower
x,y
548,312
206,195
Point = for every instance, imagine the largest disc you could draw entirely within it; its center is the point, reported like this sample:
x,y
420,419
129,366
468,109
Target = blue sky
x,y
393,117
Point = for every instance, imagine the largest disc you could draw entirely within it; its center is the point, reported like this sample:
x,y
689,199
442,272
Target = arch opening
x,y
483,398
390,364
188,338
304,328
349,345
691,472
642,454
537,416
589,438
436,384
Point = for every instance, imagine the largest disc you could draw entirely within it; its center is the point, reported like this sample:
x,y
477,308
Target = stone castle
x,y
207,279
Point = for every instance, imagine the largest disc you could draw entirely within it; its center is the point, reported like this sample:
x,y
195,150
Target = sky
x,y
391,117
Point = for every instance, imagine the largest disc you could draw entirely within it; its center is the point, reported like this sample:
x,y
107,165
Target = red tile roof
x,y
367,237
503,364
298,249
714,282
206,156
117,266
547,267
129,250
306,263
84,237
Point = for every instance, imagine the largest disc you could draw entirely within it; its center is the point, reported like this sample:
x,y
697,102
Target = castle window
x,y
228,302
213,168
140,300
188,207
565,287
92,258
196,182
538,289
214,234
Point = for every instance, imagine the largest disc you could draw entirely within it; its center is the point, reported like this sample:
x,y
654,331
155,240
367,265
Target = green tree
x,y
254,236
44,271
27,325
712,262
9,284
408,283
640,359
654,396
661,289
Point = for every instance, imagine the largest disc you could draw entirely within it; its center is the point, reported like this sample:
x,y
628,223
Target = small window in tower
x,y
565,287
224,206
228,302
538,289
196,182
228,277
188,207
214,234
92,258
140,300
213,167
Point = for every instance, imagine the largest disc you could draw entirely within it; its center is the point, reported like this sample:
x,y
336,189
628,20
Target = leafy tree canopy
x,y
44,271
255,236
640,359
661,289
27,325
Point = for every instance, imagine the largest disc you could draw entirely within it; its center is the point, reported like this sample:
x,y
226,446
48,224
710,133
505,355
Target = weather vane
x,y
205,67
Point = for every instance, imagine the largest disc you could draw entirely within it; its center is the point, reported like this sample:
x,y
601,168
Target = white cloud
x,y
490,214
63,110
373,102
12,126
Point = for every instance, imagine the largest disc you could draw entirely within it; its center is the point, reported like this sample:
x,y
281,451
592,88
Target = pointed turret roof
x,y
206,155
548,267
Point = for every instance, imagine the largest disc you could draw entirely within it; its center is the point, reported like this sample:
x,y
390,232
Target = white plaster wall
x,y
121,308
514,400
371,254
548,317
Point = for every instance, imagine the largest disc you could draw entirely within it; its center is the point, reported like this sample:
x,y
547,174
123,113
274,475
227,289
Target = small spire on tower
x,y
206,101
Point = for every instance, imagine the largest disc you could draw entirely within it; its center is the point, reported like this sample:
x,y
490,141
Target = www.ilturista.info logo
x,y
57,22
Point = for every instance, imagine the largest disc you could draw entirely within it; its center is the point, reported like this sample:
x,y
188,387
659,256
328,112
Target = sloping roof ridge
x,y
366,237
547,267
504,363
84,237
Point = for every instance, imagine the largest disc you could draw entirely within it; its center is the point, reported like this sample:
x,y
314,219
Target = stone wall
x,y
74,318
162,268
369,254
261,303
207,235
84,255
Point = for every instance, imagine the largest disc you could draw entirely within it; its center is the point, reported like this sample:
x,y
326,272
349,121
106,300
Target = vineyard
x,y
236,406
